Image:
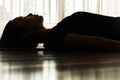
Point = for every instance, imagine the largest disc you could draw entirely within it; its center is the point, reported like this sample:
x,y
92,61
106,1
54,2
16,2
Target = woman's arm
x,y
76,40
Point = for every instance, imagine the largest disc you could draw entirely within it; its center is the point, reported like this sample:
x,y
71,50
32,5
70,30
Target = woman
x,y
81,29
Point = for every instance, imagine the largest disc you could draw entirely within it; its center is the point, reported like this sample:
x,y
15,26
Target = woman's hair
x,y
11,38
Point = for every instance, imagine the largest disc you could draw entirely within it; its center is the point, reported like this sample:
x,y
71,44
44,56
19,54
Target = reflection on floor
x,y
59,65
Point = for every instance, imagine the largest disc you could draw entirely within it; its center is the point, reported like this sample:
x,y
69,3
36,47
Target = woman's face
x,y
29,24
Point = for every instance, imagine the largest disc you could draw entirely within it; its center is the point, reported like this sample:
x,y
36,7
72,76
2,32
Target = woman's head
x,y
29,24
18,32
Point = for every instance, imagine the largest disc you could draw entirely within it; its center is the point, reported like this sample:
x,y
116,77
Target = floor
x,y
59,65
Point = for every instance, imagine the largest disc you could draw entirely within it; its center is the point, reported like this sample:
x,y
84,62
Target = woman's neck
x,y
42,35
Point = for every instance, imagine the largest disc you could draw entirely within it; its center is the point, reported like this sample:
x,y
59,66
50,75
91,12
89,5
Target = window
x,y
54,10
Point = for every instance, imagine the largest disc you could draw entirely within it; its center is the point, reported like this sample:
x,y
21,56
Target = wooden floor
x,y
59,65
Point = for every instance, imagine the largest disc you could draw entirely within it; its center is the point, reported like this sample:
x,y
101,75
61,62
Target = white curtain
x,y
106,7
54,10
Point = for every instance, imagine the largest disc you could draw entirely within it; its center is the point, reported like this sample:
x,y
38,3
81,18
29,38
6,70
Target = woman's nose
x,y
30,14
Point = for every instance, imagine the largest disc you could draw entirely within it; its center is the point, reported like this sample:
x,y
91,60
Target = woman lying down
x,y
81,29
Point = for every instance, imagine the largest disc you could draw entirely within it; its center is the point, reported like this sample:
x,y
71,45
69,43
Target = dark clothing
x,y
83,23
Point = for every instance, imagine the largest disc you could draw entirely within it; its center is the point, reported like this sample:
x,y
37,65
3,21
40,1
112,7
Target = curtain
x,y
106,7
54,10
